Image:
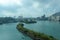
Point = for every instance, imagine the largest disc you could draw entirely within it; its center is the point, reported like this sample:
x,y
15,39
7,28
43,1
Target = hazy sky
x,y
28,8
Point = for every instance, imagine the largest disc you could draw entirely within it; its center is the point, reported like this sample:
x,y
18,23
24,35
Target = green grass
x,y
34,34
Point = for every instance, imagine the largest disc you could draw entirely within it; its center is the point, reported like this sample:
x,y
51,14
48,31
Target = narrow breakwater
x,y
32,34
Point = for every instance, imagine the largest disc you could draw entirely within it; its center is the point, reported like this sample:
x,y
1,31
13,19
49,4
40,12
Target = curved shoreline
x,y
34,35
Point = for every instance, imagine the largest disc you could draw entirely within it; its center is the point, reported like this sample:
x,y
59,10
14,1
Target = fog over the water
x,y
29,8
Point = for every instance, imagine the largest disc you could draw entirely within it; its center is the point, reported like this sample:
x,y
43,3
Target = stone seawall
x,y
32,34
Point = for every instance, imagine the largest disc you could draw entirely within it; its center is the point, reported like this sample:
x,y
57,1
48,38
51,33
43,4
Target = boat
x,y
30,22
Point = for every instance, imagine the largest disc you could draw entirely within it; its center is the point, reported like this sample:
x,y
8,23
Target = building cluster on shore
x,y
55,17
4,20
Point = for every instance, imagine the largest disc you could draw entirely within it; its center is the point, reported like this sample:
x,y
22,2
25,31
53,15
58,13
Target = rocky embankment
x,y
32,34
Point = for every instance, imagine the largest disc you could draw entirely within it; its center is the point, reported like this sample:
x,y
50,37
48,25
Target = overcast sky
x,y
29,8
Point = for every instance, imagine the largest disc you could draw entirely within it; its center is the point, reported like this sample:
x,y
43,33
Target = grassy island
x,y
34,35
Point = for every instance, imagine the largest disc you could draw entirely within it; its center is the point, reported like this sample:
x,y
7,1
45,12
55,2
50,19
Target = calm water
x,y
47,27
9,31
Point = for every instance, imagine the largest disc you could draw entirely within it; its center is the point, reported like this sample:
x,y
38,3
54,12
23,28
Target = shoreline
x,y
32,34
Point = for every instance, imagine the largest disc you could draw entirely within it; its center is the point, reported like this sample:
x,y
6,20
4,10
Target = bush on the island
x,y
35,34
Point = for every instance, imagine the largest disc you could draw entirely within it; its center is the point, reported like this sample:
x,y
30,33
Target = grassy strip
x,y
34,35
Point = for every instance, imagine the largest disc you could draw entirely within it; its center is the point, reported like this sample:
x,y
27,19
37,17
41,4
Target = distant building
x,y
55,17
43,17
20,18
38,18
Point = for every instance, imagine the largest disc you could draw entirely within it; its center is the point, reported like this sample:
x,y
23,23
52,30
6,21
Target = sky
x,y
29,8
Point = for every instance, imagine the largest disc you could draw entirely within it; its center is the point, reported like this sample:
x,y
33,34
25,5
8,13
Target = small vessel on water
x,y
30,21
